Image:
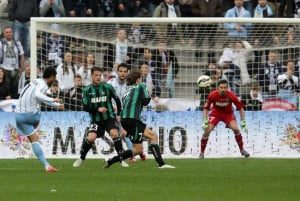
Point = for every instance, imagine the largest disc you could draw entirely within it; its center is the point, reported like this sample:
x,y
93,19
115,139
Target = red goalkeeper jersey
x,y
222,104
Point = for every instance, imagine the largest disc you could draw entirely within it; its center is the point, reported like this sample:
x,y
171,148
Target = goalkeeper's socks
x,y
118,147
85,147
203,144
239,140
156,153
36,148
126,154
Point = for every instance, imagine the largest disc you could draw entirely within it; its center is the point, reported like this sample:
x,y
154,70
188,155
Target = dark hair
x,y
143,63
96,68
222,81
132,77
49,72
78,76
123,65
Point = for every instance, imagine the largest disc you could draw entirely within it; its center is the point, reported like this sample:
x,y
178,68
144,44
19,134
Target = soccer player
x,y
134,99
119,84
28,112
221,100
97,101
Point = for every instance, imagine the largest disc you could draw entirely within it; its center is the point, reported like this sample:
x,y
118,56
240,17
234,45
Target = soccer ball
x,y
204,81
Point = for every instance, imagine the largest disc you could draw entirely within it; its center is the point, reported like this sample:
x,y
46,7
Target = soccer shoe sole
x,y
77,163
166,167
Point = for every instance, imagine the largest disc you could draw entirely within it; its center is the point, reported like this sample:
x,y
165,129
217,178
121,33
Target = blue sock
x,y
36,148
128,143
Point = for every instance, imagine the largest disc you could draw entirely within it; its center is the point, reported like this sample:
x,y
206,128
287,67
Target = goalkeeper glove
x,y
244,125
205,124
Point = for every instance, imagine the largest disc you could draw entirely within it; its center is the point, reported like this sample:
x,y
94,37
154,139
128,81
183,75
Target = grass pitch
x,y
192,180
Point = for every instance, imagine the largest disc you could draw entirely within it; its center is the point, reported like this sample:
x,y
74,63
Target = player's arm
x,y
145,94
116,98
86,103
240,106
45,99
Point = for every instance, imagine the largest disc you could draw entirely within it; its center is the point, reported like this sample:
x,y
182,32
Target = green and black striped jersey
x,y
133,101
95,96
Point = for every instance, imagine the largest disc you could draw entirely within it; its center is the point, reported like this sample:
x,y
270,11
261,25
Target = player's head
x,y
122,71
223,87
49,75
96,75
133,78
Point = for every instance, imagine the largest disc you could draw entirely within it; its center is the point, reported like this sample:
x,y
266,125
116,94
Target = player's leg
x,y
238,136
212,122
154,147
87,143
27,125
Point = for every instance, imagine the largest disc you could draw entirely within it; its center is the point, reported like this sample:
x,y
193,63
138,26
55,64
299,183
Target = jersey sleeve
x,y
145,94
86,101
208,102
39,94
116,98
239,105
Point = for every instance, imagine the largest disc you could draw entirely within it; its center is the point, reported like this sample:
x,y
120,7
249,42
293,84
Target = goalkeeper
x,y
221,100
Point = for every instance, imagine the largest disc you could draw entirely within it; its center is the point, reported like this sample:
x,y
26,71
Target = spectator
x,y
123,8
249,5
77,8
290,41
253,100
66,72
168,9
25,77
237,30
119,82
53,48
11,59
263,10
140,8
4,87
85,70
215,75
155,70
53,92
118,52
167,62
289,8
102,8
185,7
207,8
288,81
152,86
20,13
136,35
52,8
74,95
268,73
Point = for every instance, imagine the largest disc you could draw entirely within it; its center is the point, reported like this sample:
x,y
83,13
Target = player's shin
x,y
126,154
204,141
85,147
156,153
36,148
239,140
118,147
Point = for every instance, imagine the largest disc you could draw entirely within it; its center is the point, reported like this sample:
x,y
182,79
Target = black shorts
x,y
100,127
135,130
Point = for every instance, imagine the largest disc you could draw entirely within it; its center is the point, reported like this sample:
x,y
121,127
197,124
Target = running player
x,y
133,100
97,101
221,100
28,112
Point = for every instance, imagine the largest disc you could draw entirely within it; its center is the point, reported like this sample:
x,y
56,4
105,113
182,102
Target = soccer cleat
x,y
201,156
77,163
124,164
245,153
143,157
51,169
165,166
132,160
106,164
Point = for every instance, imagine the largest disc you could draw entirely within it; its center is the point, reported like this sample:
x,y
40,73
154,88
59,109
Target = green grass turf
x,y
192,180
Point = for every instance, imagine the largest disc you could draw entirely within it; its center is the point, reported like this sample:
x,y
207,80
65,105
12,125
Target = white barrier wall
x,y
271,134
